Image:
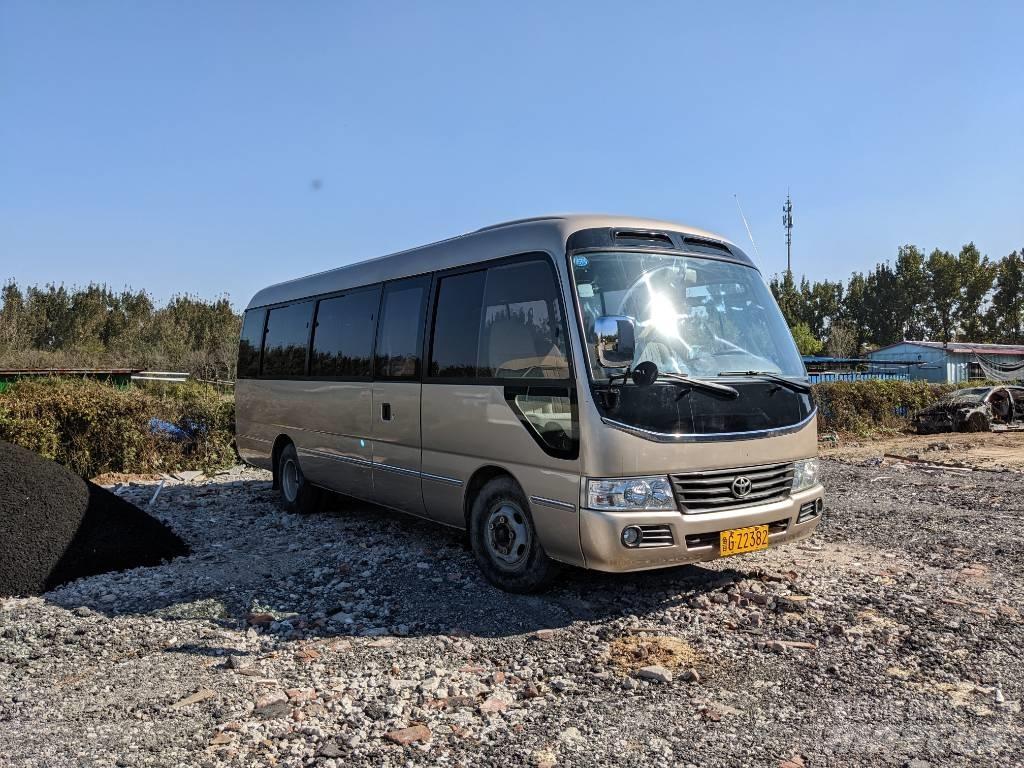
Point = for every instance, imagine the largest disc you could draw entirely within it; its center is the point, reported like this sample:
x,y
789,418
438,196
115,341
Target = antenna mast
x,y
787,222
749,234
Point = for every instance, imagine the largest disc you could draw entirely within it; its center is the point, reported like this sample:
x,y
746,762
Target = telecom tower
x,y
787,222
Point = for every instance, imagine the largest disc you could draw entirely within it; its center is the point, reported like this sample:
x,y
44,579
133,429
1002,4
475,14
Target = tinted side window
x,y
286,340
456,339
400,331
249,344
343,335
523,334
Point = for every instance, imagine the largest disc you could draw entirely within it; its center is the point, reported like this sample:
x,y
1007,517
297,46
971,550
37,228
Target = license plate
x,y
740,540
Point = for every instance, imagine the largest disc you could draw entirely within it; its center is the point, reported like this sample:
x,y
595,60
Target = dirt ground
x,y
990,450
358,637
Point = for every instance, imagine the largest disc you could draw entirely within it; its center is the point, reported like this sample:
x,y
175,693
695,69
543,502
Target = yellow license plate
x,y
740,540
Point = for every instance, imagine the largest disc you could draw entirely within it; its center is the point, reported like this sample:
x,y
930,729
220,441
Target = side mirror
x,y
616,343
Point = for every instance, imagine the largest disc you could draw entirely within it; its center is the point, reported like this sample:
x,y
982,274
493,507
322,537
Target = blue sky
x,y
173,146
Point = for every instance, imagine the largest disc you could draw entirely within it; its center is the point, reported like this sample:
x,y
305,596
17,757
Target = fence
x,y
826,377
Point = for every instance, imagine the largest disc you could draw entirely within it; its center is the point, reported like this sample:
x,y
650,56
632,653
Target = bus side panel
x,y
466,427
251,437
338,443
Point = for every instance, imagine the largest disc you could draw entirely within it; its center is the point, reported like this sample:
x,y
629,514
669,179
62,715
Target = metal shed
x,y
957,361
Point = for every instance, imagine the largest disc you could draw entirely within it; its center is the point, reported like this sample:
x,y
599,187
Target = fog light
x,y
631,536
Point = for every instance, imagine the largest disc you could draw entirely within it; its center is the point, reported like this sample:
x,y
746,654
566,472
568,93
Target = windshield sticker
x,y
581,261
585,290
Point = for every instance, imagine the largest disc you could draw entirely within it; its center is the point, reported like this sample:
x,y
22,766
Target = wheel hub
x,y
290,480
508,534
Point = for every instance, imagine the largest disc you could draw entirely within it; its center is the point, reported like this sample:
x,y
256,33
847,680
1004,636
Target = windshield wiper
x,y
646,373
798,386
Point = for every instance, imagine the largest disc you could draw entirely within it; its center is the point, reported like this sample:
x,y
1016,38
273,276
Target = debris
x,y
201,695
156,494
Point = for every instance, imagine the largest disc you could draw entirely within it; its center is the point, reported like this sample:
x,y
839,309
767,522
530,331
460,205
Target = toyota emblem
x,y
741,486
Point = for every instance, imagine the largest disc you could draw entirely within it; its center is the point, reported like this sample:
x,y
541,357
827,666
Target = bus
x,y
605,392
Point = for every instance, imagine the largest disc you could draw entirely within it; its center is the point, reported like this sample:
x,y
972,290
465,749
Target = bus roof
x,y
540,233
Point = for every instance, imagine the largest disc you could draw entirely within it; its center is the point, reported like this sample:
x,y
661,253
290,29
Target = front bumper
x,y
601,531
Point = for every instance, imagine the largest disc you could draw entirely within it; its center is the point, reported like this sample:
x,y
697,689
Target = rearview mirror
x,y
615,341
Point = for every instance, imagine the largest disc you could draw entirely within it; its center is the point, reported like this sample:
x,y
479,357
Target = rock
x,y
272,705
410,735
544,634
493,705
234,661
331,749
201,695
655,673
691,676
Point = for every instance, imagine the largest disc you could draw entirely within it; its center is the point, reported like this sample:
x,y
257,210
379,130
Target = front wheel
x,y
297,495
504,539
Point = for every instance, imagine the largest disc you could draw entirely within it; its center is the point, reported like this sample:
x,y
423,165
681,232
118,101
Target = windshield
x,y
693,316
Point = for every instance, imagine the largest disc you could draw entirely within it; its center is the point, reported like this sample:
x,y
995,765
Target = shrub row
x,y
94,427
863,407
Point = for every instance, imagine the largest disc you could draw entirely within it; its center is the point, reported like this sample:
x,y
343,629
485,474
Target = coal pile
x,y
56,527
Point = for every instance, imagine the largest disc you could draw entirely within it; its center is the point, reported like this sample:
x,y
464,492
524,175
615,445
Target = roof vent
x,y
702,242
644,235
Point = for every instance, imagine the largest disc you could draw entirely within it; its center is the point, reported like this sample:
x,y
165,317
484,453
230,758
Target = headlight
x,y
630,493
805,474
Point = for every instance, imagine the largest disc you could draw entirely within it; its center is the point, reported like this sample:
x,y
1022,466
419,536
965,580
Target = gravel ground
x,y
359,637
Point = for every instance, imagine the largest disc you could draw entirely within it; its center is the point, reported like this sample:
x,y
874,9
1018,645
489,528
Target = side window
x,y
343,335
400,331
286,340
249,344
456,338
523,332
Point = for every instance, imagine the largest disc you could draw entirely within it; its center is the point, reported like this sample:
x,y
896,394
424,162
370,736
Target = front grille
x,y
713,490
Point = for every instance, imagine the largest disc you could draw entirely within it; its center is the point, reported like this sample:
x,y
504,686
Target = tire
x,y
504,540
297,495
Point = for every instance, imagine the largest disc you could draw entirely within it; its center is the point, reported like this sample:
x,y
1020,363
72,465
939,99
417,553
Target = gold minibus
x,y
598,391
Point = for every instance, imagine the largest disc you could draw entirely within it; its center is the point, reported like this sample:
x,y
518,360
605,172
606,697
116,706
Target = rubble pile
x,y
56,527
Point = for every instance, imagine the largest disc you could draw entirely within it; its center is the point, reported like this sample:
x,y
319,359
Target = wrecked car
x,y
977,409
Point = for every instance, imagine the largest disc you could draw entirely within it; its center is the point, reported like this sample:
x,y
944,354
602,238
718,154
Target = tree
x,y
976,276
842,340
856,311
805,340
943,295
1006,315
911,293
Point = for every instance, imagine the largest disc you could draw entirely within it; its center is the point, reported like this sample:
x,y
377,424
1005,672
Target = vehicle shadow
x,y
351,569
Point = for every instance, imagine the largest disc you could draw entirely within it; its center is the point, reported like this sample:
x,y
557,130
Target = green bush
x,y
863,407
94,427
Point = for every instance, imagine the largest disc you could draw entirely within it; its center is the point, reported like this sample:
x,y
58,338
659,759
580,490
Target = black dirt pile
x,y
56,527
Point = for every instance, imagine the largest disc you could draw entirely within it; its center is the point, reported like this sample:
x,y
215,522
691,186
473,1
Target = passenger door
x,y
396,395
340,393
